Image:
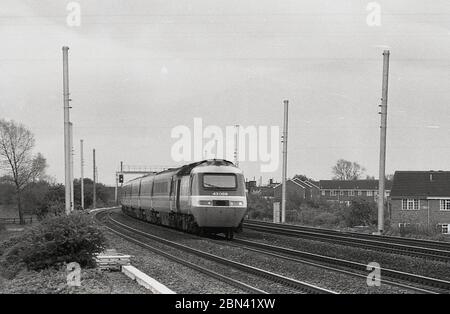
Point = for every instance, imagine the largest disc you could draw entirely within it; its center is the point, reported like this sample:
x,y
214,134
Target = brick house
x,y
346,190
421,199
308,190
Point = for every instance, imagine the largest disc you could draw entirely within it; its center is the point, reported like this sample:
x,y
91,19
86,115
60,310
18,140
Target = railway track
x,y
405,280
133,235
411,247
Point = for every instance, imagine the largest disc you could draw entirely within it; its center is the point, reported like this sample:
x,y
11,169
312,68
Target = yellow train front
x,y
203,197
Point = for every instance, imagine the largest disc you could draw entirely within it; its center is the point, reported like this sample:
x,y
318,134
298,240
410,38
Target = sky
x,y
138,69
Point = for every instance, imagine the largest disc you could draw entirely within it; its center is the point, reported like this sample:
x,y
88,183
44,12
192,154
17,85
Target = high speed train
x,y
202,197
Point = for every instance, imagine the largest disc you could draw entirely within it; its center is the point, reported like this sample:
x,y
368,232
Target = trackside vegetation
x,y
53,243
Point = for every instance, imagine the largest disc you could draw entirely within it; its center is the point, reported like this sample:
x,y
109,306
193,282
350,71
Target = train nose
x,y
218,216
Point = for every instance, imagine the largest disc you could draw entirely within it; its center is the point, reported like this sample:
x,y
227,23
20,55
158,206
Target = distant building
x,y
308,190
250,186
345,191
263,190
421,199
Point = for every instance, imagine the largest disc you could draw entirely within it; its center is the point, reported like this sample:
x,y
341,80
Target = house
x,y
346,190
306,189
421,199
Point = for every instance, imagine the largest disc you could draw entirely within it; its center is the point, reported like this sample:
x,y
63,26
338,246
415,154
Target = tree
x,y
347,170
16,145
302,177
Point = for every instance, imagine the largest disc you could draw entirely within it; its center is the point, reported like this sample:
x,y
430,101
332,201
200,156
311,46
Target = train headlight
x,y
236,203
205,202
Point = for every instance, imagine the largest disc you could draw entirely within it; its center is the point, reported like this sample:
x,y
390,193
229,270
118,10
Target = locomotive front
x,y
218,200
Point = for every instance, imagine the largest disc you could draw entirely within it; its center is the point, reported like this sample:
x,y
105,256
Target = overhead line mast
x,y
383,113
284,170
67,148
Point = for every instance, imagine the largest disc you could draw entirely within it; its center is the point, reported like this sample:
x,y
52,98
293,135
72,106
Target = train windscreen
x,y
219,181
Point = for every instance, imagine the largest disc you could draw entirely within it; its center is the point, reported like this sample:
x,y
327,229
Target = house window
x,y
445,228
369,193
410,204
342,193
323,192
351,193
334,193
359,193
445,205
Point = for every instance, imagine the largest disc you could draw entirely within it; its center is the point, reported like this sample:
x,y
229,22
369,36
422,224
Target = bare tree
x,y
16,144
347,170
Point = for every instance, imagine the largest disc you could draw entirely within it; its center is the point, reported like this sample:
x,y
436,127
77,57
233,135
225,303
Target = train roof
x,y
187,169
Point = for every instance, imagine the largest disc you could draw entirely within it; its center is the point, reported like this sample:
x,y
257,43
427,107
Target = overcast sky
x,y
140,68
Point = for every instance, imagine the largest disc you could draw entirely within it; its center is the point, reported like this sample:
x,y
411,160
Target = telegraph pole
x,y
284,171
383,141
94,196
82,174
67,151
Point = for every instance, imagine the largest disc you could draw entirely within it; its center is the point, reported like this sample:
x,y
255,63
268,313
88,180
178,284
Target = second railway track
x,y
416,248
421,284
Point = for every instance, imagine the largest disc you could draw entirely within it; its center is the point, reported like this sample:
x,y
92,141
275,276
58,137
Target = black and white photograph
x,y
224,154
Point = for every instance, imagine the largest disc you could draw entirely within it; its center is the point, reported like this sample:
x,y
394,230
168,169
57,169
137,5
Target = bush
x,y
58,240
325,219
360,212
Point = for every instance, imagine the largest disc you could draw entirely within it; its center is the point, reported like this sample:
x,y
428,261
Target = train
x,y
205,197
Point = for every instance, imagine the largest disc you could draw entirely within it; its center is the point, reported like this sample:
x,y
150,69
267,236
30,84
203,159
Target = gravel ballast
x,y
176,277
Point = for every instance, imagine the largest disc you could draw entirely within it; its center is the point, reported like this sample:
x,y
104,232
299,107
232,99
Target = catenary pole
x,y
236,145
67,151
94,196
383,113
82,174
72,203
284,170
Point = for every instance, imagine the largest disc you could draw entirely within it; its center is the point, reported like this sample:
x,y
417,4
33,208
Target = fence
x,y
16,220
